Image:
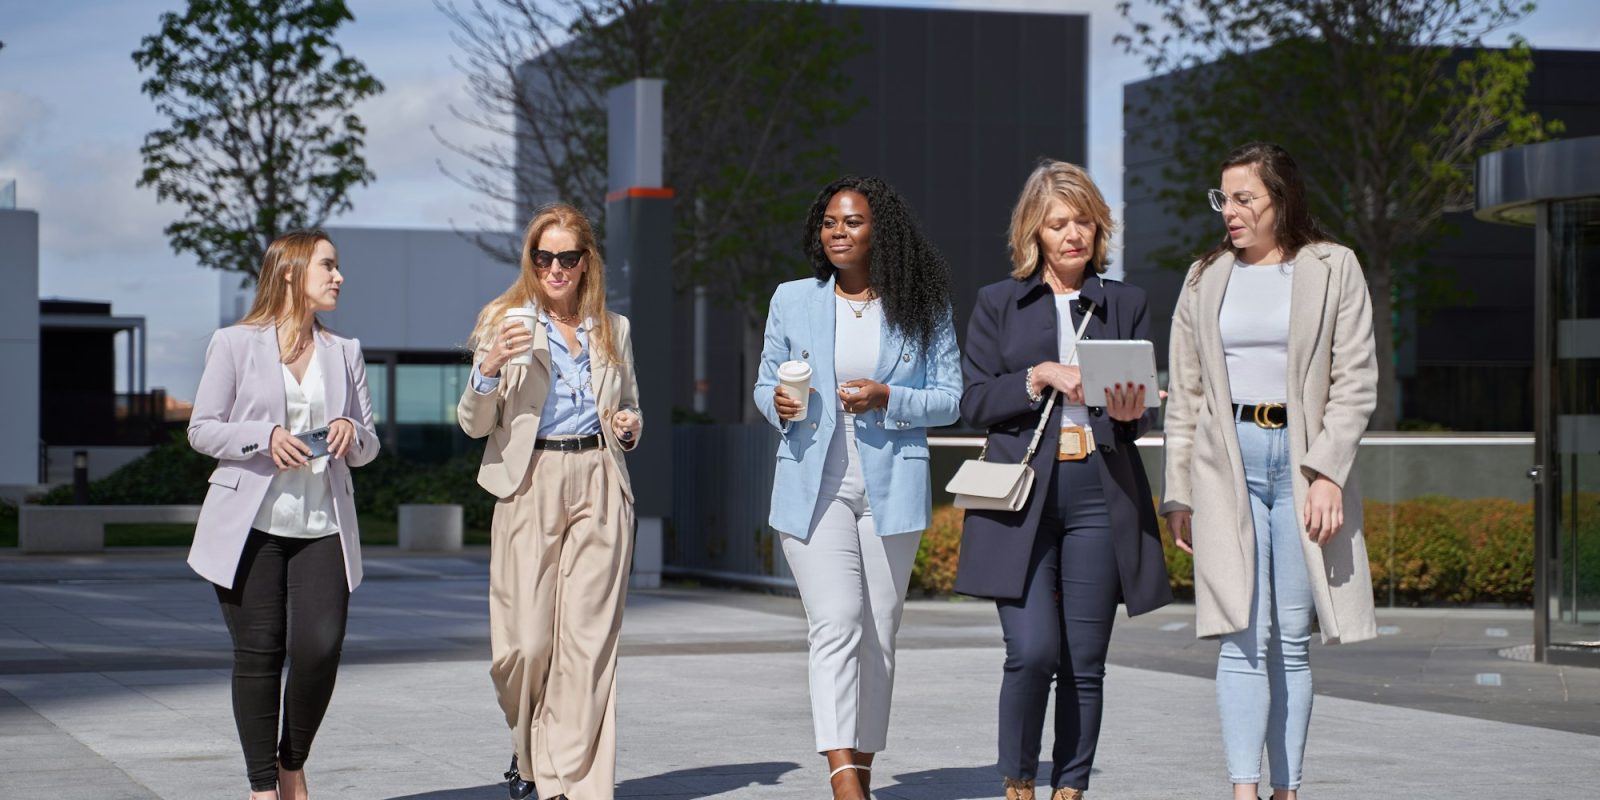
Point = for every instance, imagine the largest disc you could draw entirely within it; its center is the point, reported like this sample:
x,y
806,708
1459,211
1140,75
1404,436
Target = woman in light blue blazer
x,y
851,495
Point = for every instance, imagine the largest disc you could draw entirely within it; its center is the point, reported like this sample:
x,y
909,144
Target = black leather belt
x,y
570,445
1265,415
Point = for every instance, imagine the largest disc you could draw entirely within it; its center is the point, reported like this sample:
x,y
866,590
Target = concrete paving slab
x,y
713,699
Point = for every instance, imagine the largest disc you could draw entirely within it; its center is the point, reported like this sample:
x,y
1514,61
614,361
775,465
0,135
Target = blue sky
x,y
72,119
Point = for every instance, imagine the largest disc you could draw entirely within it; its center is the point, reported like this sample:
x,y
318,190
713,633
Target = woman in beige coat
x,y
1273,376
554,391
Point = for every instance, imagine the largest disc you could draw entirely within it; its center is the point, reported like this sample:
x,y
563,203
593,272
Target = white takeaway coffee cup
x,y
794,378
528,317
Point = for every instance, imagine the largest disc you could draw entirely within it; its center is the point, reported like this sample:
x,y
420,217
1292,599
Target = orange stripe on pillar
x,y
639,191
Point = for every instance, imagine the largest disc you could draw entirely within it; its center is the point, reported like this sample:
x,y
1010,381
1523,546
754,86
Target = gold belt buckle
x,y
1076,443
1261,416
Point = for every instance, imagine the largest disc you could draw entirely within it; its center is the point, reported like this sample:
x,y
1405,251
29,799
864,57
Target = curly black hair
x,y
906,271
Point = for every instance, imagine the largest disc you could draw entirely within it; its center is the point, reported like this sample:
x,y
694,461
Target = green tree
x,y
749,89
1386,103
261,137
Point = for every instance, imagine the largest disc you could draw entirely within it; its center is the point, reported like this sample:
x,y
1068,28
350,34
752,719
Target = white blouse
x,y
1066,330
298,502
856,340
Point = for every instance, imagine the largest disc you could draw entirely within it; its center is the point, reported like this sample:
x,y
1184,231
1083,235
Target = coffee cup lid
x,y
794,369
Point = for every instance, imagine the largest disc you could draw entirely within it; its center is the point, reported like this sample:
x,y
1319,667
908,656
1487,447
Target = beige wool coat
x,y
1332,390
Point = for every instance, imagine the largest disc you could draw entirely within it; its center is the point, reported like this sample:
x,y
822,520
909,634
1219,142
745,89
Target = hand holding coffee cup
x,y
625,423
512,344
790,396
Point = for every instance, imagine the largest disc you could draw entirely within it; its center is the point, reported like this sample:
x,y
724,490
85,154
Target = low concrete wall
x,y
431,528
719,523
82,529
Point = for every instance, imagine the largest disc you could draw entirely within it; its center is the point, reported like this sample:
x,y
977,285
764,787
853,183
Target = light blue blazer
x,y
924,392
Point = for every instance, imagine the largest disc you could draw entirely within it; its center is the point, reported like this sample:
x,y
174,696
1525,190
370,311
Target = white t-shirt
x,y
1255,331
1066,330
298,503
855,340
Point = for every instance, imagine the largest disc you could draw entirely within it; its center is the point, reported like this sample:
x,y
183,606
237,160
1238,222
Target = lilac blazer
x,y
239,403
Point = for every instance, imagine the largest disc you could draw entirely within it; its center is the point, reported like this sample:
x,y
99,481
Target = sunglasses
x,y
568,258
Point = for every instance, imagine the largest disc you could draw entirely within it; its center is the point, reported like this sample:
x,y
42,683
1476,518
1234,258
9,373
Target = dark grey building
x,y
956,108
1468,365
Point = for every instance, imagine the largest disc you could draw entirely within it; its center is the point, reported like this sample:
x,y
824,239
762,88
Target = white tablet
x,y
1108,362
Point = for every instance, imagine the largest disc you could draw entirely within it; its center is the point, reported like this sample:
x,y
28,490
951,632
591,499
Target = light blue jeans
x,y
1264,671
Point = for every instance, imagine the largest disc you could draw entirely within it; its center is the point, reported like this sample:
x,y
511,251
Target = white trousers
x,y
853,584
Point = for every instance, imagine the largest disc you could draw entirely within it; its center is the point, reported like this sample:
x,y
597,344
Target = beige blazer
x,y
1332,390
509,415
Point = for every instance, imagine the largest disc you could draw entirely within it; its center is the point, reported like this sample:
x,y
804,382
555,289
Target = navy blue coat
x,y
1013,327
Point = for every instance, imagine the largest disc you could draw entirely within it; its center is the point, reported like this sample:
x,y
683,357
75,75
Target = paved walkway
x,y
114,684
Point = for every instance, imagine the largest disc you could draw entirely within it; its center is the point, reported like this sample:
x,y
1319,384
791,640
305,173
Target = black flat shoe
x,y
516,787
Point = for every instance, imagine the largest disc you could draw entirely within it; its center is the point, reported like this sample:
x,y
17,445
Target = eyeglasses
x,y
568,258
1219,199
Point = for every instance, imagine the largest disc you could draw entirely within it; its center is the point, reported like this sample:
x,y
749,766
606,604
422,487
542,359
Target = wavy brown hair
x,y
1056,180
1294,228
528,291
279,301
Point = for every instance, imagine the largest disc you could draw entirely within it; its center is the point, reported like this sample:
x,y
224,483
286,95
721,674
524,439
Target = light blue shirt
x,y
570,408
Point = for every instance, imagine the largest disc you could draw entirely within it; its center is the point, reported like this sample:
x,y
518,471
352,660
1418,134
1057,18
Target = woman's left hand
x,y
341,435
1125,402
1324,510
625,424
863,395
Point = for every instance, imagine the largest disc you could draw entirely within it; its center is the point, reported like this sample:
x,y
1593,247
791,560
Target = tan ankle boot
x,y
1019,790
1065,793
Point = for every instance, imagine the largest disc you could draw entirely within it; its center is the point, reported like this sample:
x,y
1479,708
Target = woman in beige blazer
x,y
553,389
1273,376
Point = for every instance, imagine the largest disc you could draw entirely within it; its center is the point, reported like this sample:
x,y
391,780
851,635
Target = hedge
x,y
1444,551
174,474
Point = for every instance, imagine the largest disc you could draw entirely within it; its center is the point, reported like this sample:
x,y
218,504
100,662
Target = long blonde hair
x,y
1069,183
280,301
527,290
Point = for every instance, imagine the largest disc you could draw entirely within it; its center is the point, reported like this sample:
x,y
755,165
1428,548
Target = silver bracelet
x,y
1027,385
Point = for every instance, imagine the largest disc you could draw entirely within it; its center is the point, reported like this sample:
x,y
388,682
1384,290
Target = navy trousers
x,y
1060,629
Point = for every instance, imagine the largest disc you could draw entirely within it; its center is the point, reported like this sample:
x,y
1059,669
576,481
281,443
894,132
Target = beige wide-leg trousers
x,y
558,574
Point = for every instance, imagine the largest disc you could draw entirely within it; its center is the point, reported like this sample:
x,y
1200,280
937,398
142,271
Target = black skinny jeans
x,y
289,598
1060,630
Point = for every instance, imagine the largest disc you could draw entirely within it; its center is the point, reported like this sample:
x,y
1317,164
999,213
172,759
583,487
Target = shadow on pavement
x,y
950,783
485,792
692,784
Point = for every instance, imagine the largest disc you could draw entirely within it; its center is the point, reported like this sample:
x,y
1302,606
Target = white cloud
x,y
22,117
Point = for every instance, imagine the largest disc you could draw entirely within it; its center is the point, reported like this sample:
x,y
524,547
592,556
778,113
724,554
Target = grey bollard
x,y
430,528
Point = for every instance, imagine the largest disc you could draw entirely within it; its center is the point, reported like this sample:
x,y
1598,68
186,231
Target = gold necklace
x,y
566,318
864,306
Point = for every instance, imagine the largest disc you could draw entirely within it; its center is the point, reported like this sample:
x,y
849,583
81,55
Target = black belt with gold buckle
x,y
1265,415
570,445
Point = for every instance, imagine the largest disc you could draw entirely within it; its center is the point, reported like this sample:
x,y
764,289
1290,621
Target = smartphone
x,y
317,440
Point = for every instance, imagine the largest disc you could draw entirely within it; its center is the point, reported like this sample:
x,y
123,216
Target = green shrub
x,y
172,473
938,554
8,524
1444,551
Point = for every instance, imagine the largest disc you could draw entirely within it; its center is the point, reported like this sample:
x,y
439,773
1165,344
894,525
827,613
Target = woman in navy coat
x,y
1087,537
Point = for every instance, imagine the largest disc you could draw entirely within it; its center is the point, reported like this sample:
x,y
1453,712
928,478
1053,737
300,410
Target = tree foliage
x,y
750,87
261,135
1386,104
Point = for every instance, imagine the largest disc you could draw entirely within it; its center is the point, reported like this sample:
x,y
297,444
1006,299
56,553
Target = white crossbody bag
x,y
983,485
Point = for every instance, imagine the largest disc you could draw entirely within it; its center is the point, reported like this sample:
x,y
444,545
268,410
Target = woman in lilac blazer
x,y
277,534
